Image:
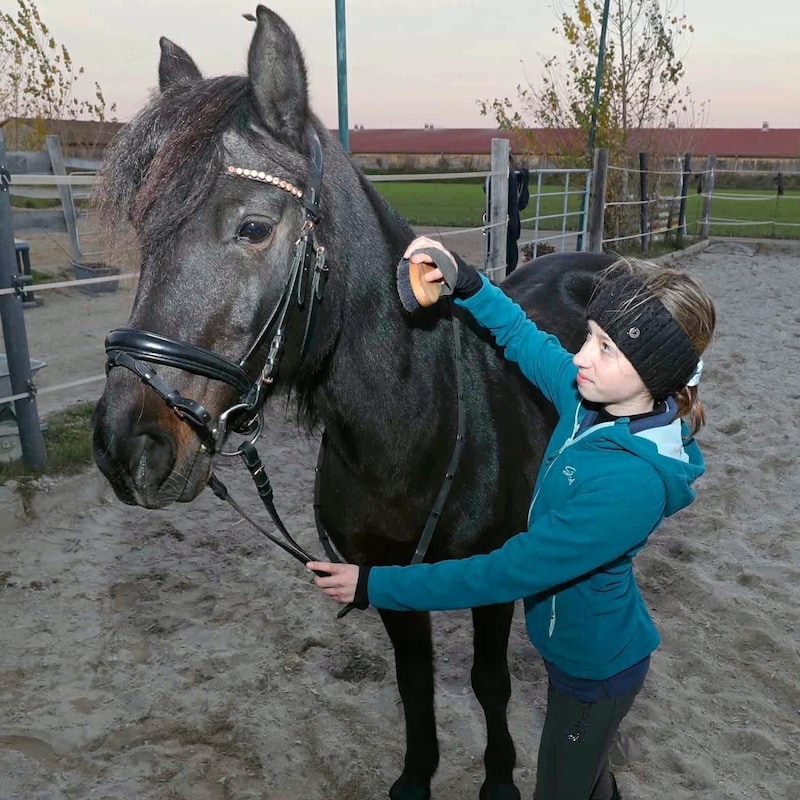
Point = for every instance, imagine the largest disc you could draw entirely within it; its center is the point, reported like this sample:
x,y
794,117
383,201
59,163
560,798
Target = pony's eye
x,y
254,232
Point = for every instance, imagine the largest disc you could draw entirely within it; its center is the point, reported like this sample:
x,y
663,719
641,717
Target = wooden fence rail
x,y
51,162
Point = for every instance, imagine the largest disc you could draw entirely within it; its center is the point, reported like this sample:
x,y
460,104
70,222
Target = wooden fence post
x,y
687,174
644,215
65,194
497,201
597,208
14,333
711,168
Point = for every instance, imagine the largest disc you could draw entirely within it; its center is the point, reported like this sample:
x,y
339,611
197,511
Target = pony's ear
x,y
176,65
277,74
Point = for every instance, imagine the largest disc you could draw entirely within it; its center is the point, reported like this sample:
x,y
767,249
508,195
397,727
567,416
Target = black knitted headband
x,y
645,332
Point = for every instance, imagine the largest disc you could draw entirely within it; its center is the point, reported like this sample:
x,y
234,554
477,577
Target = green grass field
x,y
458,204
462,203
755,212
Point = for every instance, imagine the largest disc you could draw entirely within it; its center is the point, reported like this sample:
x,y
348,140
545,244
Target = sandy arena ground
x,y
175,655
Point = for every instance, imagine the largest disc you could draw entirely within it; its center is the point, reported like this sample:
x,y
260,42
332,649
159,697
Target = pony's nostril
x,y
150,456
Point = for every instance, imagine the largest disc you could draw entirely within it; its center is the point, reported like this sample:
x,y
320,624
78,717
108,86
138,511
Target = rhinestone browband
x,y
264,177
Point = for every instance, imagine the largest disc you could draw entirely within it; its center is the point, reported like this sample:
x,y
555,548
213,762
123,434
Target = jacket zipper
x,y
568,441
553,460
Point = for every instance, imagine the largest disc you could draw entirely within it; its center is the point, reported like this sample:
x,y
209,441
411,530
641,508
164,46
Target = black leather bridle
x,y
139,350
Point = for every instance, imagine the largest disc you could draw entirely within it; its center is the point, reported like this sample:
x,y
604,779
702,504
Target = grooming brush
x,y
415,292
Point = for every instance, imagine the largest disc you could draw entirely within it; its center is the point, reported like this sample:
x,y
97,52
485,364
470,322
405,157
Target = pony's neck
x,y
374,359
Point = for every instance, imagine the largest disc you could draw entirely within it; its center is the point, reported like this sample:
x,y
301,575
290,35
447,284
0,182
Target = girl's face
x,y
606,377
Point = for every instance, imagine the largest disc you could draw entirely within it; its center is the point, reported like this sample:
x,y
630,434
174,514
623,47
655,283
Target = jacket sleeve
x,y
561,546
539,355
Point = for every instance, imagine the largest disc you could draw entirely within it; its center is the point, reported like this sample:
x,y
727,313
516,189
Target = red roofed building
x,y
432,149
469,149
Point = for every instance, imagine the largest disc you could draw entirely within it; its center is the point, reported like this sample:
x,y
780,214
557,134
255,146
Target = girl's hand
x,y
467,281
340,583
434,275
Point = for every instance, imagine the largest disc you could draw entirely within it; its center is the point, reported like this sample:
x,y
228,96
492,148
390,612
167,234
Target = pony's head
x,y
220,181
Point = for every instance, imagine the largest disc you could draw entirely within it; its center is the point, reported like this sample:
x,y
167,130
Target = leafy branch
x,y
38,77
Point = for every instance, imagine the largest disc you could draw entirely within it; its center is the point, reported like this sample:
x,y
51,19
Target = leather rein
x,y
138,350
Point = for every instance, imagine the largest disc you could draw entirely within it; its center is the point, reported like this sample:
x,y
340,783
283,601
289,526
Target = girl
x,y
619,461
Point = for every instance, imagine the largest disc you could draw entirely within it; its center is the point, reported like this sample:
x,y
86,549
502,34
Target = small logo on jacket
x,y
570,473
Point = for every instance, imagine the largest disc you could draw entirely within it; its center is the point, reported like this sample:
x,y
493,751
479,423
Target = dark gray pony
x,y
236,299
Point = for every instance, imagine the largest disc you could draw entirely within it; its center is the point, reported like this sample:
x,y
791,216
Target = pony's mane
x,y
315,371
168,156
164,164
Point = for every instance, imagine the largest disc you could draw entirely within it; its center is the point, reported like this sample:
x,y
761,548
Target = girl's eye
x,y
607,348
254,232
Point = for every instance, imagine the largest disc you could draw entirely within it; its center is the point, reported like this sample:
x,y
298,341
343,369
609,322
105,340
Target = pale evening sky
x,y
425,61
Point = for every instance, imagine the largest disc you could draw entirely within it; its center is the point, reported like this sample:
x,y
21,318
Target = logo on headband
x,y
634,333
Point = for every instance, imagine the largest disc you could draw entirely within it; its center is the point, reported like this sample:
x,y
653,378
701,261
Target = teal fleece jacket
x,y
598,497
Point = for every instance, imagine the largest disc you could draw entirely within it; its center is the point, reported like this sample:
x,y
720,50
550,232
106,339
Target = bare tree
x,y
641,91
641,84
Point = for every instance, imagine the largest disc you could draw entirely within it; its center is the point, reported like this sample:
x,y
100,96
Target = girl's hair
x,y
690,306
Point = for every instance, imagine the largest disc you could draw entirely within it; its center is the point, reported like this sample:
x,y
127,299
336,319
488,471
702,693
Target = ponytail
x,y
691,408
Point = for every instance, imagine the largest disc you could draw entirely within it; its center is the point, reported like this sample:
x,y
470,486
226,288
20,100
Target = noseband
x,y
137,350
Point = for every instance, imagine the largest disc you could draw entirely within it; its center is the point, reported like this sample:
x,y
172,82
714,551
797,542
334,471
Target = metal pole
x,y
644,215
583,238
598,207
685,178
14,334
598,80
341,74
711,168
598,77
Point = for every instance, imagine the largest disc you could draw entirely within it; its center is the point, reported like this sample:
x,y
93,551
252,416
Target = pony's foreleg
x,y
492,686
413,652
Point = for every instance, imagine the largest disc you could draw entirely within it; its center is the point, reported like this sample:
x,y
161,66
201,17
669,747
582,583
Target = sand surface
x,y
175,655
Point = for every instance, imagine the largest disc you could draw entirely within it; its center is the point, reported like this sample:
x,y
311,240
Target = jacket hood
x,y
667,446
